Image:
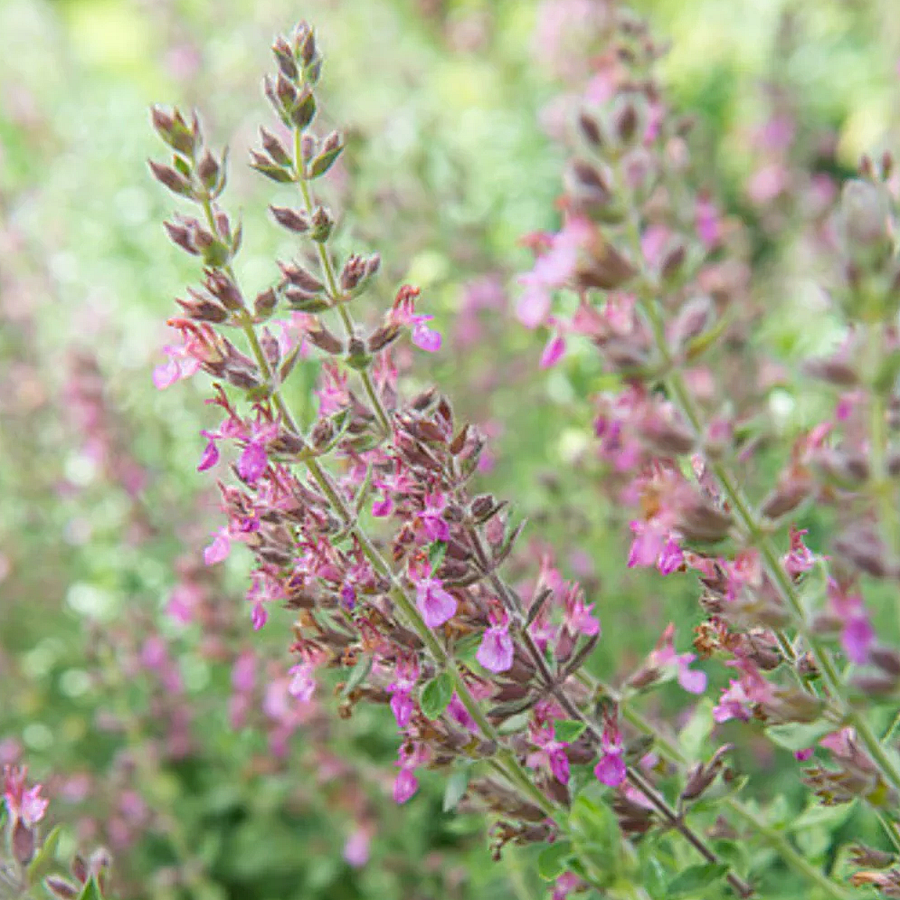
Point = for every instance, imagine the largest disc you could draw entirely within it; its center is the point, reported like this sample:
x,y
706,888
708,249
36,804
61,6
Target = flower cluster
x,y
364,523
666,300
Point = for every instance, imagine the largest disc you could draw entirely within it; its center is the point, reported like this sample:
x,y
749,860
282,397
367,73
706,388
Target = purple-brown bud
x,y
173,180
293,219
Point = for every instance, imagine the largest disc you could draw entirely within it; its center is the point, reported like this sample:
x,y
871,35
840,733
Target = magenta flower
x,y
405,785
857,634
252,462
425,338
551,753
432,517
458,712
553,352
402,703
496,650
564,885
435,604
610,768
210,454
383,507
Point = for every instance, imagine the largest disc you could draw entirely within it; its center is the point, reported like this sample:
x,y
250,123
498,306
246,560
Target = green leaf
x,y
693,737
91,890
457,784
554,859
695,879
323,162
799,736
358,675
653,878
41,864
568,730
276,173
436,696
832,817
436,553
593,822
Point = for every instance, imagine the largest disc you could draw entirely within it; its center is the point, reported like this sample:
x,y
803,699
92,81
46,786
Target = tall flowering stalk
x,y
665,298
364,523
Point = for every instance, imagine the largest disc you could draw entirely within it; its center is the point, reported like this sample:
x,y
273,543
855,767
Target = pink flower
x,y
857,634
707,220
219,549
553,352
21,804
356,849
496,650
610,768
303,684
694,682
402,703
654,544
733,704
435,604
179,366
578,614
426,338
403,313
552,270
210,454
405,785
551,753
800,558
432,517
457,711
252,462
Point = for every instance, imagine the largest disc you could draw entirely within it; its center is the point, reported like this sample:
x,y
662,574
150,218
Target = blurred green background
x,y
455,113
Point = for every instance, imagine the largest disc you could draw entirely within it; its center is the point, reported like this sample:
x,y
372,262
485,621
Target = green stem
x,y
334,293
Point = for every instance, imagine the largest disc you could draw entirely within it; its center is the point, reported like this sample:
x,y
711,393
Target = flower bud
x,y
168,177
319,335
203,308
264,304
293,219
24,842
274,148
322,223
284,56
301,277
304,111
208,170
357,356
590,129
383,337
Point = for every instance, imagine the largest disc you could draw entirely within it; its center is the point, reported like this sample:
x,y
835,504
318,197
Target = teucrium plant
x,y
365,525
